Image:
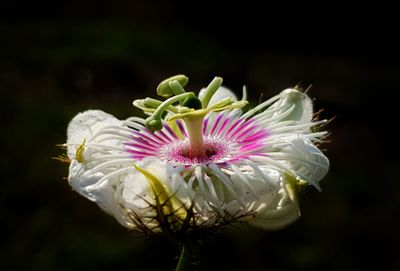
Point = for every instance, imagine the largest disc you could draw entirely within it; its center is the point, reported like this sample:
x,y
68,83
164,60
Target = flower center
x,y
182,153
191,110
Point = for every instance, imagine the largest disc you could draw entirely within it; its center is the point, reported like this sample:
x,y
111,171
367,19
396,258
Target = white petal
x,y
306,160
84,125
104,193
278,214
303,110
137,190
81,129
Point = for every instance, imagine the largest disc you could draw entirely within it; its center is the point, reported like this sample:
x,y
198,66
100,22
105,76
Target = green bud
x,y
164,89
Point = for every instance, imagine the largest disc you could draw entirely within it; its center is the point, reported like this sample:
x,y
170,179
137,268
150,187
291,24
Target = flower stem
x,y
194,125
183,259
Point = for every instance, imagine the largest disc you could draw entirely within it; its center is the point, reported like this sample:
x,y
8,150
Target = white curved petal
x,y
289,105
278,214
137,192
306,160
303,109
103,195
220,94
81,130
84,125
137,189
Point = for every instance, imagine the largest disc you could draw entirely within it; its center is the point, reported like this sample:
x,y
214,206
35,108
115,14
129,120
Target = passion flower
x,y
198,162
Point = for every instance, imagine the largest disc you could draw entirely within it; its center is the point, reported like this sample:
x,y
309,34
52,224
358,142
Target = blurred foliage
x,y
58,60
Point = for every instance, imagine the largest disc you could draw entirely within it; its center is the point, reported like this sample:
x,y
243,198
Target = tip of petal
x,y
293,95
303,110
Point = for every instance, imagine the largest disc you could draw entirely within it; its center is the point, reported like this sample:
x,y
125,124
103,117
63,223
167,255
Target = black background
x,y
57,59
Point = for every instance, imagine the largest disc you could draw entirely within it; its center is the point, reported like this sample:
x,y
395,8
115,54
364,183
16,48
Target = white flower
x,y
207,164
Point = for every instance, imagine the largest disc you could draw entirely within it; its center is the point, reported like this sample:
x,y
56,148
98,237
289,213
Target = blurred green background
x,y
57,59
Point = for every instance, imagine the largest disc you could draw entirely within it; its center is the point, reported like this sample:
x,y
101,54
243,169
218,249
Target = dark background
x,y
59,59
